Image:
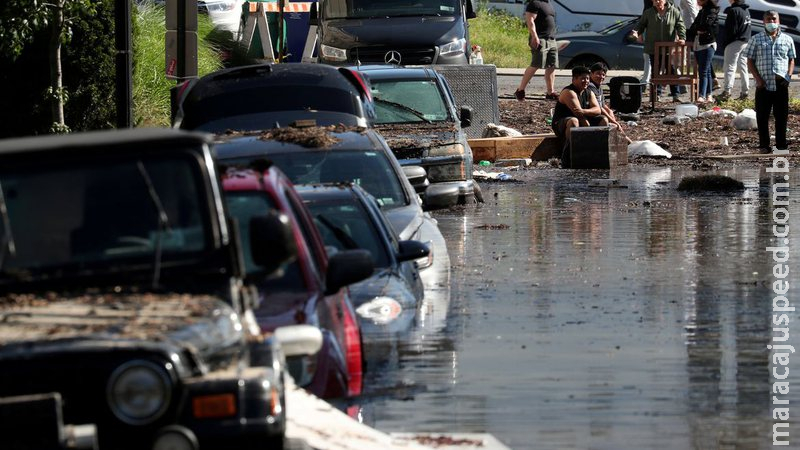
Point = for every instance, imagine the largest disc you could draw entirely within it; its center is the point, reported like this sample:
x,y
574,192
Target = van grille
x,y
408,56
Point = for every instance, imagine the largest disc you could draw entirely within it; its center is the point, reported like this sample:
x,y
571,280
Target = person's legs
x,y
550,65
652,58
763,107
530,71
741,62
781,110
729,66
550,80
646,71
704,70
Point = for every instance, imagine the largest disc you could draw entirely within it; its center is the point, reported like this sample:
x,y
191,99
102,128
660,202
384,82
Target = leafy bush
x,y
503,38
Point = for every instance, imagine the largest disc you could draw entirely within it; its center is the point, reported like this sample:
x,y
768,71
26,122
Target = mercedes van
x,y
402,32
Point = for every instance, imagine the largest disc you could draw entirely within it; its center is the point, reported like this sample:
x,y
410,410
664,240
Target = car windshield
x,y
200,113
406,101
613,28
243,206
346,225
101,214
360,9
368,169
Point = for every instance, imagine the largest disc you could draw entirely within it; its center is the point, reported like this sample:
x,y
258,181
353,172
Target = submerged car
x,y
322,154
124,312
415,112
311,289
349,218
263,96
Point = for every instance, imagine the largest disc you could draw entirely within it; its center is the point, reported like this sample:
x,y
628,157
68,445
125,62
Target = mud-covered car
x,y
122,307
416,114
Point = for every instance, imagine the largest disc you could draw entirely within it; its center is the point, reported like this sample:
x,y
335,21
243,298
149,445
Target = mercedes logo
x,y
392,57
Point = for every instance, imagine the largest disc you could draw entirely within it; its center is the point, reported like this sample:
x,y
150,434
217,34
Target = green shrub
x,y
503,38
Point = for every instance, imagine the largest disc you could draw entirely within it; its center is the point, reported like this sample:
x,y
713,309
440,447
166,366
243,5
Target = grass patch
x,y
740,105
151,107
503,38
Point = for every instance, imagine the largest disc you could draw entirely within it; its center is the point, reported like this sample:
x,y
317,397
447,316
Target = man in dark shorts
x,y
541,20
577,107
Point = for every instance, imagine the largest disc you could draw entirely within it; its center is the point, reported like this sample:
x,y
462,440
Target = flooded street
x,y
593,317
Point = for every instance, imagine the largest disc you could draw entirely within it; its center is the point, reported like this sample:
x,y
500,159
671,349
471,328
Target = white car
x,y
224,14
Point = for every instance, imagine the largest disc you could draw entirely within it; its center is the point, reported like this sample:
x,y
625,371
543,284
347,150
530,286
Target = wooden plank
x,y
534,146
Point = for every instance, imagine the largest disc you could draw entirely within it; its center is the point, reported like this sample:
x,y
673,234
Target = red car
x,y
309,290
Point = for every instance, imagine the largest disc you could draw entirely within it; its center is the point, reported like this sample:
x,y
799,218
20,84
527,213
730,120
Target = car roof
x,y
136,139
252,144
331,191
390,72
247,77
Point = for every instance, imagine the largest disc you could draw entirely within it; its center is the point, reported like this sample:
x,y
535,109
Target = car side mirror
x,y
466,116
411,250
418,178
348,267
272,241
299,340
313,16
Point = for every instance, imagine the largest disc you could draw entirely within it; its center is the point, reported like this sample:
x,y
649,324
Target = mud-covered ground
x,y
687,142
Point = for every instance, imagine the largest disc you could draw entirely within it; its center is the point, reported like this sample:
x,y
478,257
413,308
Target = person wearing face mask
x,y
770,58
737,33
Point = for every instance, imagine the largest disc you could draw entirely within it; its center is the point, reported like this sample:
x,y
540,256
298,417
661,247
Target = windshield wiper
x,y
340,234
163,221
7,246
404,108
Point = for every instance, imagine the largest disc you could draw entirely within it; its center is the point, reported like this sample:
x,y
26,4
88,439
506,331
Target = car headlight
x,y
333,53
457,46
139,392
455,171
380,310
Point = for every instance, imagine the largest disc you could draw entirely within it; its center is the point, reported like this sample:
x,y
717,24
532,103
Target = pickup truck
x,y
124,319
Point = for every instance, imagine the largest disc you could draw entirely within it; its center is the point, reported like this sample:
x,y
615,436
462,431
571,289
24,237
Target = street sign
x,y
189,55
190,22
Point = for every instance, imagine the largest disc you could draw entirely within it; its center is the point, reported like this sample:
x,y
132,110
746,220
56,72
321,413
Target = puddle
x,y
598,318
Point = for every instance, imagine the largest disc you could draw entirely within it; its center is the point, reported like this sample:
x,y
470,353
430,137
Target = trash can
x,y
626,94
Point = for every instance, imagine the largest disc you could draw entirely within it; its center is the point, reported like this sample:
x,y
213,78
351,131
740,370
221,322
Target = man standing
x,y
576,107
541,20
662,22
770,58
737,33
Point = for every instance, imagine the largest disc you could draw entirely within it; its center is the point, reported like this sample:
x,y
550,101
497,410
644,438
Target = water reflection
x,y
630,317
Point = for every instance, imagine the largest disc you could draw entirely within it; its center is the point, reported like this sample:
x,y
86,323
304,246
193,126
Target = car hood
x,y
578,35
204,325
347,33
383,283
406,220
416,140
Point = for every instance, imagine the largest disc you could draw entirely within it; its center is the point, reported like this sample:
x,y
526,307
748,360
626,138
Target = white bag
x,y
647,148
746,120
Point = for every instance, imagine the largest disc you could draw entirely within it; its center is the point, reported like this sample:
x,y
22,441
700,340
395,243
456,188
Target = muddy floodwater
x,y
592,317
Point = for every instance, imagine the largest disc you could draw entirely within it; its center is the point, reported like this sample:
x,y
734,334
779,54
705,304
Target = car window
x,y
202,109
339,9
307,229
408,101
368,169
243,206
346,225
108,212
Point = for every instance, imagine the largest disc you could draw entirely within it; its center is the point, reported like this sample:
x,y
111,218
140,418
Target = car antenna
x,y
163,222
7,246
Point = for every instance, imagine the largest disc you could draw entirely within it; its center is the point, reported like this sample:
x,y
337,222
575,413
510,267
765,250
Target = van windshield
x,y
362,9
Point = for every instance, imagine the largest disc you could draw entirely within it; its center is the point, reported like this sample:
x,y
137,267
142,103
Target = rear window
x,y
232,102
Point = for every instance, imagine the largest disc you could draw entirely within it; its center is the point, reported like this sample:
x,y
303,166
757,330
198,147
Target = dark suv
x,y
264,96
122,308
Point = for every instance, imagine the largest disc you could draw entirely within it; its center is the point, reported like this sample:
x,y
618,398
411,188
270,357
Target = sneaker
x,y
724,96
520,94
715,85
676,99
551,96
742,96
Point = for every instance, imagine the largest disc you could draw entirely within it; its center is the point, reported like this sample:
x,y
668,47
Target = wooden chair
x,y
674,64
